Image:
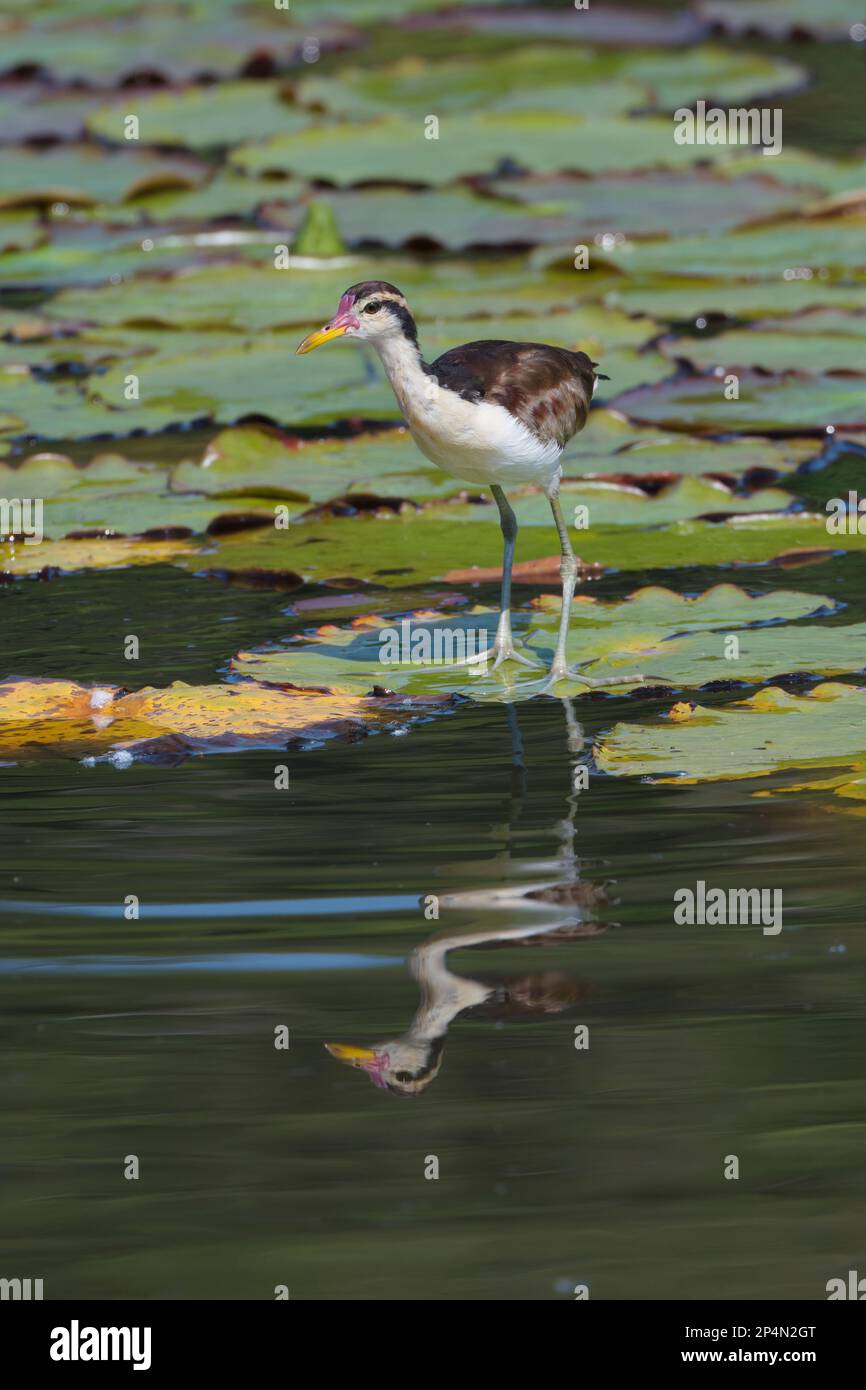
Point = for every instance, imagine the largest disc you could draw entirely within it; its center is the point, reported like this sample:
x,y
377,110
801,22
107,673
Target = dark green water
x,y
558,1166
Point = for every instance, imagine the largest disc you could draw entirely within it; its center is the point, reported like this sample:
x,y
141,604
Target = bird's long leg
x,y
502,648
559,669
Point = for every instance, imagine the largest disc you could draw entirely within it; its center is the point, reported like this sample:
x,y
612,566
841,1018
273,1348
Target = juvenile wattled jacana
x,y
489,412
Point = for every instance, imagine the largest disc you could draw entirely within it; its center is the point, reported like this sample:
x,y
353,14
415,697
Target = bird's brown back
x,y
548,389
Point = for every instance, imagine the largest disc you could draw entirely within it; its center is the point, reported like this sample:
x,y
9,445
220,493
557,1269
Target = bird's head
x,y
371,311
402,1066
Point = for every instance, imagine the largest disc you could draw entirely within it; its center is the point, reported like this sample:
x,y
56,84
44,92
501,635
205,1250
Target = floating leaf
x,y
203,117
252,460
612,444
792,402
18,233
261,376
654,203
395,147
444,217
64,718
818,342
86,175
21,561
258,297
758,252
780,19
610,24
675,299
769,732
561,78
182,45
671,636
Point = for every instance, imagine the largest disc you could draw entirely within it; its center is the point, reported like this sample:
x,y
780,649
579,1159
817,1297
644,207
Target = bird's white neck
x,y
405,370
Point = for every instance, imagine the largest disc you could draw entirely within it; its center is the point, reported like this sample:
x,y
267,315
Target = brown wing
x,y
547,388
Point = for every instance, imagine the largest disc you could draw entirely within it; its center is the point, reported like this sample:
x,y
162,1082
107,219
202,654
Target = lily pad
x,y
608,24
255,461
63,718
779,19
673,637
451,218
111,495
679,299
259,297
396,147
422,546
618,504
262,377
561,78
794,166
86,175
31,113
654,203
770,732
762,253
203,117
612,444
179,45
818,342
18,233
793,402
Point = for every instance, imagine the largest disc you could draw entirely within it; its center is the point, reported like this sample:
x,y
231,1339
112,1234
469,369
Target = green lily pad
x,y
535,79
676,638
604,504
801,167
112,495
600,24
794,402
396,147
562,79
612,444
28,113
617,504
675,300
261,376
824,340
779,19
18,232
203,117
451,218
255,461
420,546
227,195
258,297
654,203
86,175
180,45
762,253
767,733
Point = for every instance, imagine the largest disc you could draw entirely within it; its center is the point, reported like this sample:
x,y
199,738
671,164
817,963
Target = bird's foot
x,y
566,673
494,656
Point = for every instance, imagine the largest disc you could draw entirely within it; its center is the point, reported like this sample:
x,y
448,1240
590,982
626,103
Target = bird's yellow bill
x,y
357,1055
321,335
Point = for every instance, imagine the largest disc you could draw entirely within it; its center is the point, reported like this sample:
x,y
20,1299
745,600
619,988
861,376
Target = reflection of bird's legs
x,y
559,670
518,763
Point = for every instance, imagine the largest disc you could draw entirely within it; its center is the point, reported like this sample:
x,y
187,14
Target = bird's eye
x,y
402,1076
373,308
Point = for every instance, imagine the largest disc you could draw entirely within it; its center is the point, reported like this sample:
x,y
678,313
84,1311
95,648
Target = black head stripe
x,y
377,287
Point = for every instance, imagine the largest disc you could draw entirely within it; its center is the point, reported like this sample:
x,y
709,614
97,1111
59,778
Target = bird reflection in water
x,y
560,909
